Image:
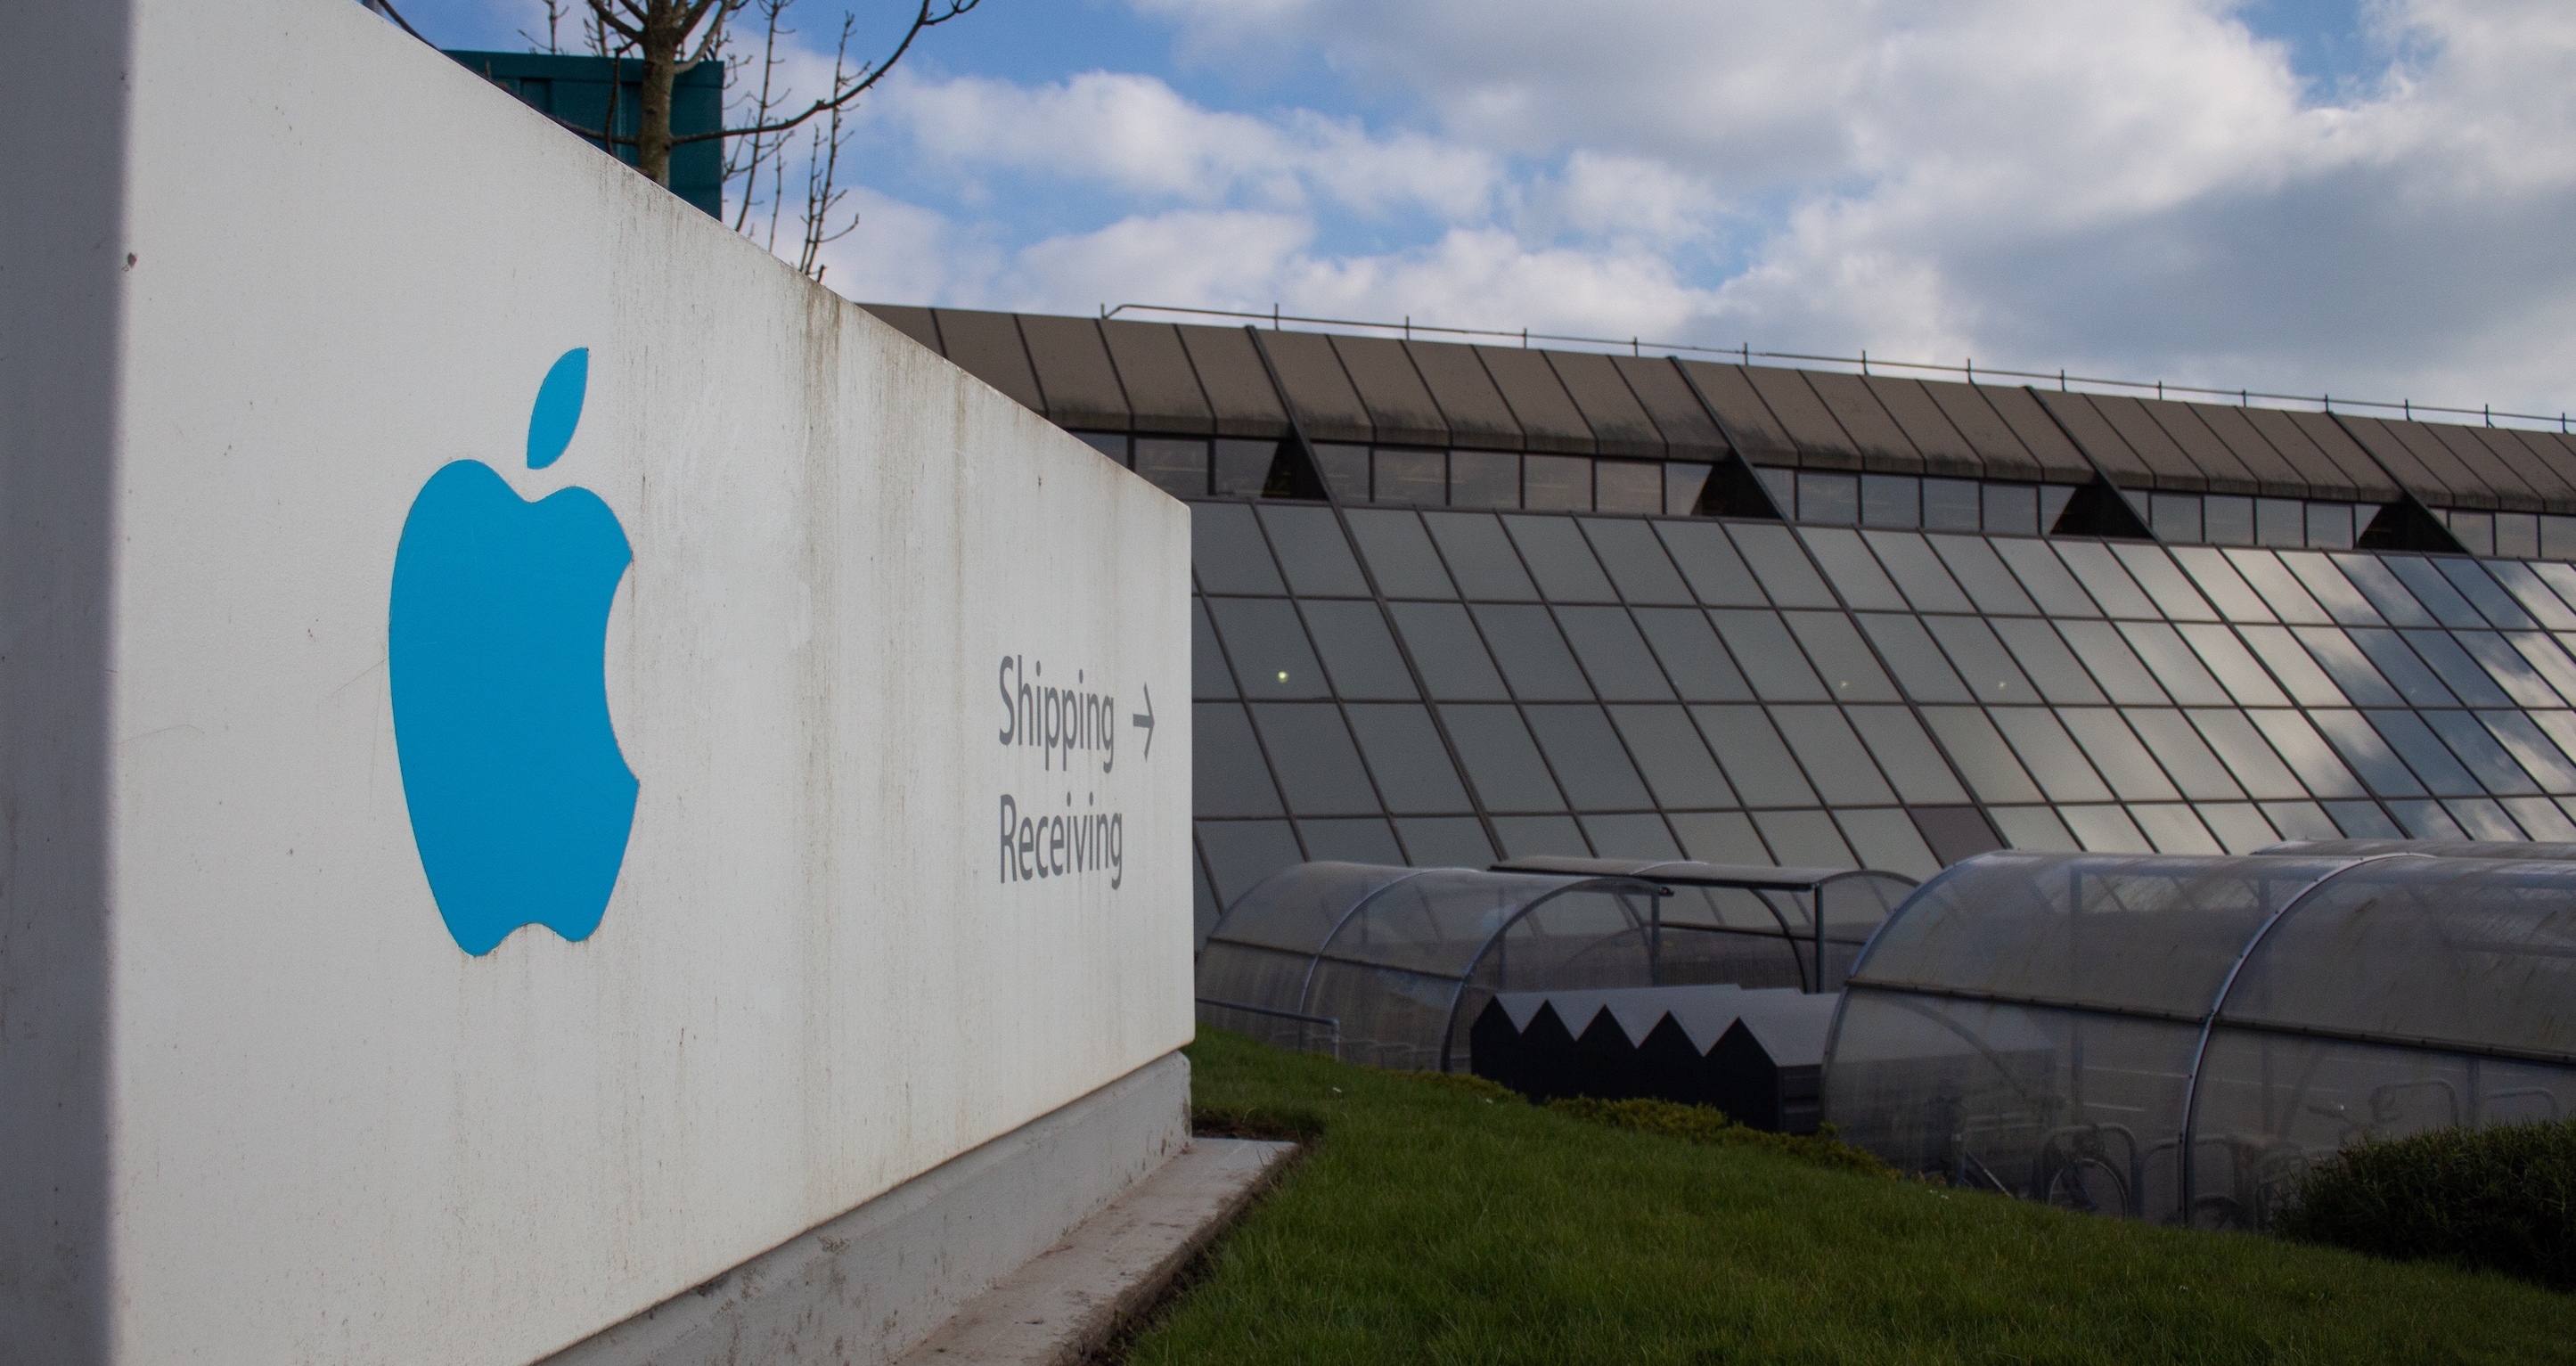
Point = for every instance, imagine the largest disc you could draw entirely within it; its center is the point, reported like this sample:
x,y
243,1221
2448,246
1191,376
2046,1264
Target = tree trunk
x,y
663,34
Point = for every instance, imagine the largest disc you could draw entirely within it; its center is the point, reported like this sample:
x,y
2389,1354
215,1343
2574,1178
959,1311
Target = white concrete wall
x,y
328,1133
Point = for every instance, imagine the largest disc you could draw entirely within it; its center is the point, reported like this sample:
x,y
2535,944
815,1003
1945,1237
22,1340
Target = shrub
x,y
2499,1199
1708,1124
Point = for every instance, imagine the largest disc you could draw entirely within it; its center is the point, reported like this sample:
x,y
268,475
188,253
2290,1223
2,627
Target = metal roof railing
x,y
1746,355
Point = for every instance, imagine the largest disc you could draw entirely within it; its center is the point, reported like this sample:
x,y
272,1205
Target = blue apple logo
x,y
497,647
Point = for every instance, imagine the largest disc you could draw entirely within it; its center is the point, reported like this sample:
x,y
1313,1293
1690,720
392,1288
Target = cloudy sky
x,y
2376,199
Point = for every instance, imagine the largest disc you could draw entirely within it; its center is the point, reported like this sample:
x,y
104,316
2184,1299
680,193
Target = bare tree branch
x,y
932,15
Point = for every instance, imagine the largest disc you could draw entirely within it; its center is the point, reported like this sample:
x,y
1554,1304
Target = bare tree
x,y
659,32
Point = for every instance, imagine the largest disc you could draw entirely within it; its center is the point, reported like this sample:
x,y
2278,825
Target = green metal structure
x,y
577,91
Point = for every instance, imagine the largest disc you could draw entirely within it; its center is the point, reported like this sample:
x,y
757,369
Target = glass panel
x,y
1591,764
1413,769
1951,505
2542,818
2045,658
1177,467
2013,509
2173,662
1352,841
2456,668
1313,552
1557,482
1716,573
1851,674
2103,577
2560,577
1359,652
2382,587
2430,588
2050,755
1560,561
1768,657
2053,499
2300,821
2186,760
1534,658
1227,550
1318,766
1981,659
1833,498
1636,561
1918,663
1981,754
1501,759
2230,521
2517,535
2431,760
2365,821
2114,665
2165,583
1926,583
1676,762
1446,648
1719,837
1484,479
2300,745
2402,669
2348,666
2484,593
2281,521
1840,769
2548,660
2226,657
2246,753
2426,820
1399,553
1692,658
2045,578
2534,595
1906,755
1541,837
1783,568
1480,557
1891,500
2307,684
2175,516
2330,588
2117,755
1973,563
2331,525
2483,819
2279,587
1751,752
1241,853
2034,828
1227,774
1110,444
2175,830
1887,839
1208,675
1246,467
1683,483
1636,836
1804,839
2475,531
2509,669
1628,486
1413,477
1445,842
2218,579
1268,648
1853,569
1611,651
1345,470
2107,829
2477,749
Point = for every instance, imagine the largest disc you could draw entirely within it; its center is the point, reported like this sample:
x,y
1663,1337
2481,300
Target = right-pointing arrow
x,y
1145,718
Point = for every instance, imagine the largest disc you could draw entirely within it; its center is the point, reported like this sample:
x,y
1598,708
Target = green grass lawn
x,y
1429,1221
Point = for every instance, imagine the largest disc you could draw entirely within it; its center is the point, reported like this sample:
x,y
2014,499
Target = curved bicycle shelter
x,y
2180,1038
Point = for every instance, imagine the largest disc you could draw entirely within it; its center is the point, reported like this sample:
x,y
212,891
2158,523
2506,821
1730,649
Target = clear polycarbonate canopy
x,y
1390,966
2180,1038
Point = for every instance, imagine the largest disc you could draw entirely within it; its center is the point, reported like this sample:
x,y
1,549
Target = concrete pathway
x,y
1077,1295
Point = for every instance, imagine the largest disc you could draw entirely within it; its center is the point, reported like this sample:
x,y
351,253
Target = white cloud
x,y
2137,188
